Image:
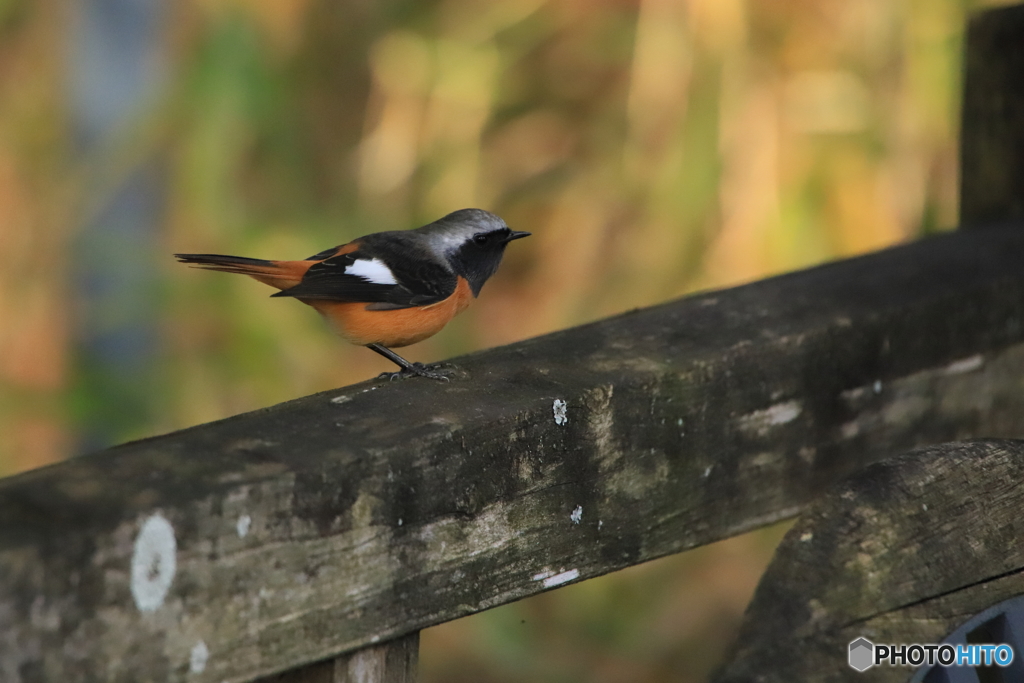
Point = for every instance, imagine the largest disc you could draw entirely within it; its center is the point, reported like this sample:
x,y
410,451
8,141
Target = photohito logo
x,y
864,654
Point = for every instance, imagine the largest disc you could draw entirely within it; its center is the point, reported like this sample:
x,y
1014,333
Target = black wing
x,y
418,281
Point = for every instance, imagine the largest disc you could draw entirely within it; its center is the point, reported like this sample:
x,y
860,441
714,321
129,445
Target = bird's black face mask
x,y
479,258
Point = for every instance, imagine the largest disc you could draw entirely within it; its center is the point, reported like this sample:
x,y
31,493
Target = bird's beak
x,y
516,235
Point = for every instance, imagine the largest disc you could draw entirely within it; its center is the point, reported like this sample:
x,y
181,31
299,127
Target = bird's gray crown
x,y
447,234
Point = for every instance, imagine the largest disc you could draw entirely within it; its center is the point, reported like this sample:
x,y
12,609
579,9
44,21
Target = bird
x,y
388,289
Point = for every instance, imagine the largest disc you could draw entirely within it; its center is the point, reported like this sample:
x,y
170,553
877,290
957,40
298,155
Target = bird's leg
x,y
407,367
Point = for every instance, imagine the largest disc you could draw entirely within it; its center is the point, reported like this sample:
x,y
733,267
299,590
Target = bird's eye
x,y
481,238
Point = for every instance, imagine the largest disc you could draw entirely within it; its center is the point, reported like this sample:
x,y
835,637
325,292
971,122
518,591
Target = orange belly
x,y
395,328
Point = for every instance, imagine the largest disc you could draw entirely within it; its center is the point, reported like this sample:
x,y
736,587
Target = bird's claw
x,y
418,370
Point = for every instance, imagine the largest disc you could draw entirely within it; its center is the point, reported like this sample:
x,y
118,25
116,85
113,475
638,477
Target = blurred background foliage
x,y
653,147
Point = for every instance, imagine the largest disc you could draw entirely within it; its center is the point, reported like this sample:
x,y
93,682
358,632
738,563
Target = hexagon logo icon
x,y
862,654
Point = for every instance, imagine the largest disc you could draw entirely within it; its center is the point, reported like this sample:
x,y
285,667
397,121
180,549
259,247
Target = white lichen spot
x,y
877,386
153,563
564,577
345,398
853,395
761,421
599,524
806,536
198,657
559,410
924,506
707,471
965,365
399,521
375,639
242,525
577,514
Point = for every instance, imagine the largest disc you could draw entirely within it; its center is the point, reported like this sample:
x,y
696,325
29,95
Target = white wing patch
x,y
373,270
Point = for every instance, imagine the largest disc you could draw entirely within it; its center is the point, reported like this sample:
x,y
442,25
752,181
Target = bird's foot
x,y
435,371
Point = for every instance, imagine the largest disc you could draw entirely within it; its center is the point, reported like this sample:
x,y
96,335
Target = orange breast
x,y
394,328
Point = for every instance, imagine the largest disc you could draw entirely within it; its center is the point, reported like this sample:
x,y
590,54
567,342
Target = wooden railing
x,y
311,541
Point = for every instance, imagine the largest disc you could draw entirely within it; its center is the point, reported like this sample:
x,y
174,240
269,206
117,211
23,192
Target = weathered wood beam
x,y
290,535
992,130
903,552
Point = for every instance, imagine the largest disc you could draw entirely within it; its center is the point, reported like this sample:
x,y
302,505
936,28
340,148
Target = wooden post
x,y
992,131
393,662
904,551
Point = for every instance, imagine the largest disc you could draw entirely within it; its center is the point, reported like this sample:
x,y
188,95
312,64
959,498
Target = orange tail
x,y
280,274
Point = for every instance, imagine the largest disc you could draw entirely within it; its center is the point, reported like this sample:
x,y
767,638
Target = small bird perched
x,y
388,289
